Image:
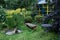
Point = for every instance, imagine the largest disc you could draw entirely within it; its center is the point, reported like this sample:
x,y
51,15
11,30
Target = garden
x,y
17,20
21,23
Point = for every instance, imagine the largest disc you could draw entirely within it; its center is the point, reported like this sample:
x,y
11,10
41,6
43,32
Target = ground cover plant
x,y
27,33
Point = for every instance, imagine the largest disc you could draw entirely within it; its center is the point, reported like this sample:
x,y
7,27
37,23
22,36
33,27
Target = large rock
x,y
11,32
30,25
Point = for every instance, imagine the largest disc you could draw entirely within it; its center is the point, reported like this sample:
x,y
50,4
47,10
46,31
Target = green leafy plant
x,y
38,18
15,21
28,19
2,18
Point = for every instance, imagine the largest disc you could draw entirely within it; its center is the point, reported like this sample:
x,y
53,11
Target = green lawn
x,y
28,34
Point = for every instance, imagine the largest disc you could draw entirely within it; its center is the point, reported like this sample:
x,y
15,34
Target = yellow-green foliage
x,y
17,10
23,9
10,12
9,16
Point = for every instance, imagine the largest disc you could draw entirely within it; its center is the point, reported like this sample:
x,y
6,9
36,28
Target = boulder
x,y
11,32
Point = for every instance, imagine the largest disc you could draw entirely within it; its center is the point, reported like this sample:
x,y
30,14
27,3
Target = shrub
x,y
9,12
28,13
11,22
38,18
23,9
28,19
2,17
15,21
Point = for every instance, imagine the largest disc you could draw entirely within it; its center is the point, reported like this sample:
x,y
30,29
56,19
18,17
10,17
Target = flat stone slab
x,y
46,25
30,25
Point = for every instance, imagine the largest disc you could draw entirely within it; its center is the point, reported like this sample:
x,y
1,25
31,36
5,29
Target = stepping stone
x,y
30,25
46,25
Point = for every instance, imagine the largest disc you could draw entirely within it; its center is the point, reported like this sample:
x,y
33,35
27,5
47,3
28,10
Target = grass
x,y
28,34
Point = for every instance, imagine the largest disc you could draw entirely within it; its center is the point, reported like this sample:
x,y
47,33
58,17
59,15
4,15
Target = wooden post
x,y
47,9
43,7
39,11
